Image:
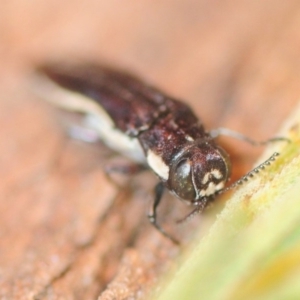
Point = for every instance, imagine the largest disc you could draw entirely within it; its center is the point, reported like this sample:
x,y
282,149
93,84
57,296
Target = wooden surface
x,y
66,231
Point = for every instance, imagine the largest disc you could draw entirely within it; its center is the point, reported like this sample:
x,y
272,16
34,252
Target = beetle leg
x,y
159,189
199,207
234,134
128,168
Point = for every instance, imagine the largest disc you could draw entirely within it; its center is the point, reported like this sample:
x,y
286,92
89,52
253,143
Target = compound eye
x,y
181,181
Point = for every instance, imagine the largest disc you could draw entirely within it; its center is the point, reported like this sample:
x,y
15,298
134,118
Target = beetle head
x,y
199,171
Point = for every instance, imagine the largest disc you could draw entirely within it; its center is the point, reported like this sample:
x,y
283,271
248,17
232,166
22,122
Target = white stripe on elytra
x,y
97,118
68,99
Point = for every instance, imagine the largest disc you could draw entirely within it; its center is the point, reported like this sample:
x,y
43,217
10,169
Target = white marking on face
x,y
205,178
216,173
158,165
220,185
213,173
212,188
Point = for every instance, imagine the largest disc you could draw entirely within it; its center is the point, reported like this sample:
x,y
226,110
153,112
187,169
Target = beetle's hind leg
x,y
124,168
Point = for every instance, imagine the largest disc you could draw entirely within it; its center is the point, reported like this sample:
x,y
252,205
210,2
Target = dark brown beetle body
x,y
145,124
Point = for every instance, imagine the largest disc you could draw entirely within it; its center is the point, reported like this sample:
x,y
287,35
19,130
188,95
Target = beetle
x,y
143,123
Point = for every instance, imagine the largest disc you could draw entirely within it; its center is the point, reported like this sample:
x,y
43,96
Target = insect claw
x,y
152,220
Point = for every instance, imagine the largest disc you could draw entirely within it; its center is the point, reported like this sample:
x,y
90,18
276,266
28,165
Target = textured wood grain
x,y
66,231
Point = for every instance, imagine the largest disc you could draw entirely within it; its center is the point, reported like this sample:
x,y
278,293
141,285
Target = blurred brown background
x,y
65,231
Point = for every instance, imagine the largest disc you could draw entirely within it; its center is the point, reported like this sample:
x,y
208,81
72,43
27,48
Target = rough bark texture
x,y
66,231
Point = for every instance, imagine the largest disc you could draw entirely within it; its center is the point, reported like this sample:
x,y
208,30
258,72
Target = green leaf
x,y
252,251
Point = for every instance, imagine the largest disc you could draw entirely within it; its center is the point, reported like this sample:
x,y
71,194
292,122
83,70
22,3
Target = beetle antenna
x,y
250,174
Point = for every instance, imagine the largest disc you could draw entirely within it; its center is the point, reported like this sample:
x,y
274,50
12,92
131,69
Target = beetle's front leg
x,y
159,189
199,207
